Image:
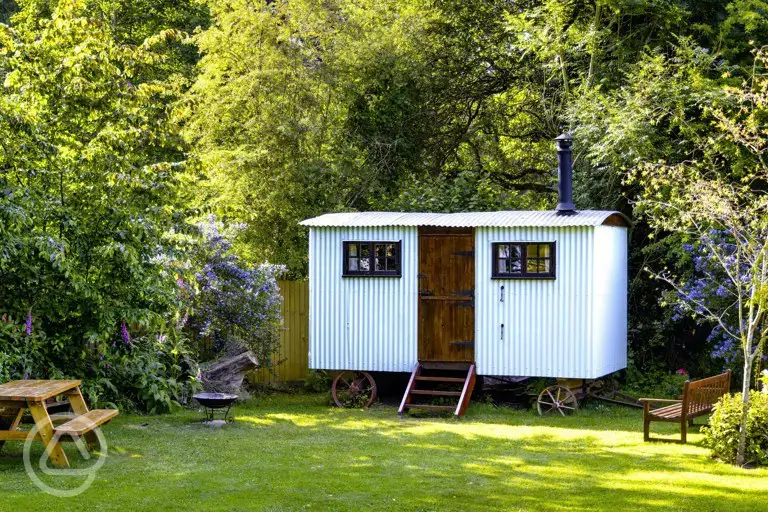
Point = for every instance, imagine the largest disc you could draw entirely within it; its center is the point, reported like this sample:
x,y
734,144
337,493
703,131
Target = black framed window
x,y
523,260
372,259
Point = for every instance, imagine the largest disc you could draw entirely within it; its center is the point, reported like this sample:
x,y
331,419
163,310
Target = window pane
x,y
502,266
365,265
531,266
532,251
544,250
381,264
352,249
544,266
392,263
515,261
391,250
380,250
353,266
503,251
365,251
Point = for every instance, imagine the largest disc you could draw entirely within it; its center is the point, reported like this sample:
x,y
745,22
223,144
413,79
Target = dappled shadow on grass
x,y
543,464
296,453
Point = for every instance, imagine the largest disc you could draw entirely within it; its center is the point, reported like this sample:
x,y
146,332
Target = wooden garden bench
x,y
699,397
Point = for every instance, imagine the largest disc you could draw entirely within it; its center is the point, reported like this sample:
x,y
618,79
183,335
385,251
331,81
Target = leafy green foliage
x,y
91,168
293,109
655,383
154,374
21,354
722,433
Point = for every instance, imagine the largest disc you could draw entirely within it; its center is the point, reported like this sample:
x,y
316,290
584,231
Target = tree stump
x,y
225,375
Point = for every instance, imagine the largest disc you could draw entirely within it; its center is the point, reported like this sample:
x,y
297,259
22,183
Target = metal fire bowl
x,y
215,400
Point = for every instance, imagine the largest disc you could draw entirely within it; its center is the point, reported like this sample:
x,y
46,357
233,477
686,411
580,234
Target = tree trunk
x,y
227,374
740,452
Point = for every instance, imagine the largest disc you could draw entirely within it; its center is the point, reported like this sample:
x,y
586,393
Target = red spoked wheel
x,y
556,399
353,389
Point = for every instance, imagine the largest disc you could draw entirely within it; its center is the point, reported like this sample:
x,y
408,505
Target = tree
x,y
90,168
726,223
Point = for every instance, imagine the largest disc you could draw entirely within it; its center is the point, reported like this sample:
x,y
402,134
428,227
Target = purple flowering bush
x,y
713,288
235,304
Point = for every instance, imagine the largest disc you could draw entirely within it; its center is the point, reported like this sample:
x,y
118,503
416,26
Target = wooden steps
x,y
441,379
433,407
433,392
86,422
430,380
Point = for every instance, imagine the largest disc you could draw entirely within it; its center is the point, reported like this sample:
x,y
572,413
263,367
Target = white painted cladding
x,y
362,323
573,326
609,301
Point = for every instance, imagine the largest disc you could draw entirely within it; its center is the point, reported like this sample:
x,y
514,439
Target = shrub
x,y
317,381
146,372
235,304
722,433
655,383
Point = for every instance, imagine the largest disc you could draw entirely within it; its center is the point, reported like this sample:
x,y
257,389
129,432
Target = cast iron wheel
x,y
556,399
353,389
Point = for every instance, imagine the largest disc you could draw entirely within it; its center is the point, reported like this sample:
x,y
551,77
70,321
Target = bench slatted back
x,y
700,395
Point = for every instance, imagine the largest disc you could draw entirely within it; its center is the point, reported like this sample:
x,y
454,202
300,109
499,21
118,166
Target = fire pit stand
x,y
214,403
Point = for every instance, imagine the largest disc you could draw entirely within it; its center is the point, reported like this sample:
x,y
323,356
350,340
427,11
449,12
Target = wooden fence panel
x,y
291,363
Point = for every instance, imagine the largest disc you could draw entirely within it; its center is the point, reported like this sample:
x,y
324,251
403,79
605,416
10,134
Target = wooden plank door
x,y
446,294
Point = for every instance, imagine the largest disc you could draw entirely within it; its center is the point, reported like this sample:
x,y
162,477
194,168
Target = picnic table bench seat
x,y
698,398
86,422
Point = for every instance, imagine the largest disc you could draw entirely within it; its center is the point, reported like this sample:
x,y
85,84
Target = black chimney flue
x,y
565,175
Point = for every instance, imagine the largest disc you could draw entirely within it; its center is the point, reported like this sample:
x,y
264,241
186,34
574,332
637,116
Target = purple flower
x,y
26,375
28,326
126,335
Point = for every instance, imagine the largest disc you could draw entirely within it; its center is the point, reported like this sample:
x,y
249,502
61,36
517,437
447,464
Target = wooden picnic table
x,y
20,395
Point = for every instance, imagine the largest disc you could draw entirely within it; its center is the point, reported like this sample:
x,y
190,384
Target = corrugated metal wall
x,y
546,323
291,363
362,323
609,300
571,327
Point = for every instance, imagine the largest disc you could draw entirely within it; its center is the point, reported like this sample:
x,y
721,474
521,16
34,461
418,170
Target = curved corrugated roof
x,y
516,218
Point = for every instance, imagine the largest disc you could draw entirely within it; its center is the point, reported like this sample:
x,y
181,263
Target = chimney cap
x,y
564,136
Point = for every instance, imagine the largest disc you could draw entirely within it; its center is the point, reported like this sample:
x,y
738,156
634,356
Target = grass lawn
x,y
293,452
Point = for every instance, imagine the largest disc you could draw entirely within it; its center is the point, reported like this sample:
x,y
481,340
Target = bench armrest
x,y
659,400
